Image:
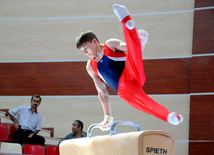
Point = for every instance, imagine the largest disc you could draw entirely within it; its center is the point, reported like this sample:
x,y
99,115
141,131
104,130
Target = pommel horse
x,y
148,142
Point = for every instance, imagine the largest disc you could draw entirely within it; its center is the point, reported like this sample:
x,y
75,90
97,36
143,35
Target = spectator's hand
x,y
30,135
16,126
106,123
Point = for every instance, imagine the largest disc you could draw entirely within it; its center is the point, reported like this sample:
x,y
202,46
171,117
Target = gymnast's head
x,y
84,37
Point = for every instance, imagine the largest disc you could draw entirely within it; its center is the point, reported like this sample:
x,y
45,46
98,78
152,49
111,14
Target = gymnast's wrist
x,y
108,118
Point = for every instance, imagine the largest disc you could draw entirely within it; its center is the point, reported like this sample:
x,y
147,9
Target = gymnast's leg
x,y
134,61
133,78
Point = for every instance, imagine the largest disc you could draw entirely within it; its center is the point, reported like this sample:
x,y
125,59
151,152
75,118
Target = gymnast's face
x,y
90,48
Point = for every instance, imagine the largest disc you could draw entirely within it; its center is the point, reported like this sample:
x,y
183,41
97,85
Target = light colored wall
x,y
35,31
60,112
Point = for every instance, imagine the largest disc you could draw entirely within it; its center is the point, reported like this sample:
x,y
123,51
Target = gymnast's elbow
x,y
103,93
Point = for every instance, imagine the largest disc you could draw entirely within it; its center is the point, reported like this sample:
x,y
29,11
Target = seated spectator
x,y
77,132
28,123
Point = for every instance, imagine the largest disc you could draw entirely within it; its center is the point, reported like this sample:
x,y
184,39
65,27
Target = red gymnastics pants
x,y
133,77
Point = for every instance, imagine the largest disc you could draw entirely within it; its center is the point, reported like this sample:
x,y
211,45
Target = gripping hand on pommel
x,y
106,123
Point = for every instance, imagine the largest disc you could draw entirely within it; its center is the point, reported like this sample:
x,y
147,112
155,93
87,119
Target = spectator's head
x,y
77,126
35,101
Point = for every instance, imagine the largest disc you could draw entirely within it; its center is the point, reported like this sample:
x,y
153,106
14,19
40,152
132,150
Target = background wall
x,y
38,56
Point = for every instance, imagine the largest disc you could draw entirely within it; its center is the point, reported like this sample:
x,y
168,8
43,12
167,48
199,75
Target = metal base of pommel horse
x,y
148,142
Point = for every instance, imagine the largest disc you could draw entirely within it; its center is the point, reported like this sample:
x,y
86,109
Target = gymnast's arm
x,y
116,45
120,46
101,89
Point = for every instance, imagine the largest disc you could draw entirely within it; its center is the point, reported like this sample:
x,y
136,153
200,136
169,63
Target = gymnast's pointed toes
x,y
174,118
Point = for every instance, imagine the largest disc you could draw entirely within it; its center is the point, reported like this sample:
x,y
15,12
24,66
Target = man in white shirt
x,y
28,123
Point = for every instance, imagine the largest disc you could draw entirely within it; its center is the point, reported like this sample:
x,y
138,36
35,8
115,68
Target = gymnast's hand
x,y
106,123
143,35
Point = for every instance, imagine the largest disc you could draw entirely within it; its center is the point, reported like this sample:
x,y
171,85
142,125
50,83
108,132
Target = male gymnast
x,y
120,65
